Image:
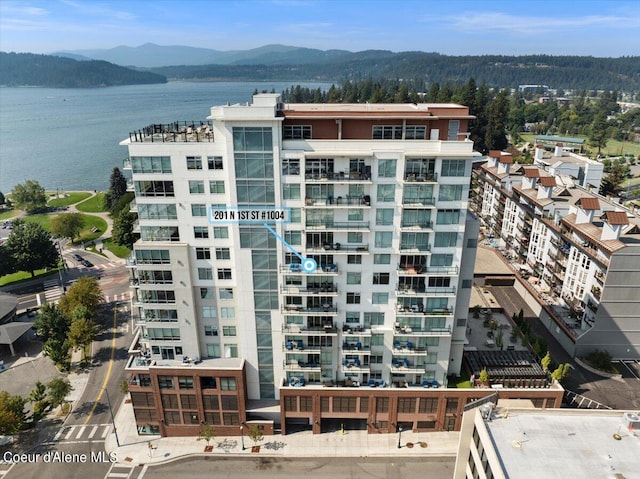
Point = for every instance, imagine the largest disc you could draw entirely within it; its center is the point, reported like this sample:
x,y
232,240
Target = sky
x,y
601,28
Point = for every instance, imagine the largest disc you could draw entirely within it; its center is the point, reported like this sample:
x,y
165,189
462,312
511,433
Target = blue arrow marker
x,y
309,265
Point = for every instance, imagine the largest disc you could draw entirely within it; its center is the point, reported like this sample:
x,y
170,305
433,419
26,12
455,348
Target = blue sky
x,y
454,27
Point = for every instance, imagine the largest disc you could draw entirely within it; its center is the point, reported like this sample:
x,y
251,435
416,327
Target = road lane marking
x,y
106,431
93,432
68,435
58,434
108,375
80,432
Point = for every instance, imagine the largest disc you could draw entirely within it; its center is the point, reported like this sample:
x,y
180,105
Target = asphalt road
x,y
310,468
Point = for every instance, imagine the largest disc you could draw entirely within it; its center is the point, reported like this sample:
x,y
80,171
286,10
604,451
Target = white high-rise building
x,y
229,210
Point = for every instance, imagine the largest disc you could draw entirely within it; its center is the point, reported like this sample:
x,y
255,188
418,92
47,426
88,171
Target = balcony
x,y
340,177
311,289
126,164
399,366
418,202
355,365
419,309
130,186
421,177
423,225
300,365
177,132
408,348
328,328
136,226
600,276
325,308
338,225
413,331
338,248
355,347
133,206
297,346
347,200
355,330
414,248
596,292
130,261
323,269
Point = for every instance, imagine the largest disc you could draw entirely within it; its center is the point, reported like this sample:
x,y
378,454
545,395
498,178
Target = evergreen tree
x,y
598,136
117,186
495,136
1,198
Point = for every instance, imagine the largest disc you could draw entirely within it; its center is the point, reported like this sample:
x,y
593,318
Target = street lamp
x,y
242,436
399,437
115,430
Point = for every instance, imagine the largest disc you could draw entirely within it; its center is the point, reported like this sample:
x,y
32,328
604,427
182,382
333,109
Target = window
x,y
220,232
344,404
151,164
353,298
227,313
296,215
157,212
203,253
380,278
450,193
164,334
386,193
445,239
224,273
377,339
387,132
159,233
379,298
228,330
223,253
228,384
231,351
383,239
352,317
206,293
216,187
384,216
454,128
290,166
290,191
225,293
472,243
210,330
381,259
441,259
428,406
406,405
205,273
293,237
186,383
198,210
354,259
209,312
415,241
196,186
165,382
194,163
453,168
415,132
353,237
448,217
355,214
153,256
214,162
354,278
382,404
153,188
157,296
387,168
201,231
296,132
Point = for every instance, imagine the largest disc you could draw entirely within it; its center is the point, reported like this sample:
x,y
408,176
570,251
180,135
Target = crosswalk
x,y
117,297
120,470
52,291
82,433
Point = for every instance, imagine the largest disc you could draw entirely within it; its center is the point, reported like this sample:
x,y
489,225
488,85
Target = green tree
x,y
483,377
206,432
561,372
495,136
612,183
1,198
117,186
546,361
12,415
38,397
30,197
58,351
255,433
122,232
598,136
58,390
7,264
67,225
31,248
82,332
51,323
84,292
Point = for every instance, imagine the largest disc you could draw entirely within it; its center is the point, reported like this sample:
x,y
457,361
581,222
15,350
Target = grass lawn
x,y
6,214
93,204
24,276
43,220
118,250
69,199
91,222
613,148
462,382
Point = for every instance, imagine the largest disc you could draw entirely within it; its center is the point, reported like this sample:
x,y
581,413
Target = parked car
x,y
86,263
77,257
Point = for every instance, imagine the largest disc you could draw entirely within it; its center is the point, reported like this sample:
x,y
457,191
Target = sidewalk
x,y
135,450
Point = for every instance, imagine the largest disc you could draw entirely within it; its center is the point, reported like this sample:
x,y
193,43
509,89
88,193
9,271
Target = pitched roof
x,y
506,159
548,181
495,153
616,218
532,172
587,203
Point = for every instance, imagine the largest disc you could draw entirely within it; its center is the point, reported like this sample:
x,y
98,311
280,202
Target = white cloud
x,y
98,9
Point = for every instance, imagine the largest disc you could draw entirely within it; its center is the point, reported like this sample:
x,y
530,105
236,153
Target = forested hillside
x,y
27,69
567,72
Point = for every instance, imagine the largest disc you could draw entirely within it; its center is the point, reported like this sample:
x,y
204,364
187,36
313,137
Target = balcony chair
x,y
426,383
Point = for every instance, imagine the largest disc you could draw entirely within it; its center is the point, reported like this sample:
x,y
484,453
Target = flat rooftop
x,y
563,443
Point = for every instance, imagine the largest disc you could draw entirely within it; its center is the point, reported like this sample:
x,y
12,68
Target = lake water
x,y
68,139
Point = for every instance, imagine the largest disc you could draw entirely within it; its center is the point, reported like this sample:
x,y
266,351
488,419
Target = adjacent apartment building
x,y
236,324
580,249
